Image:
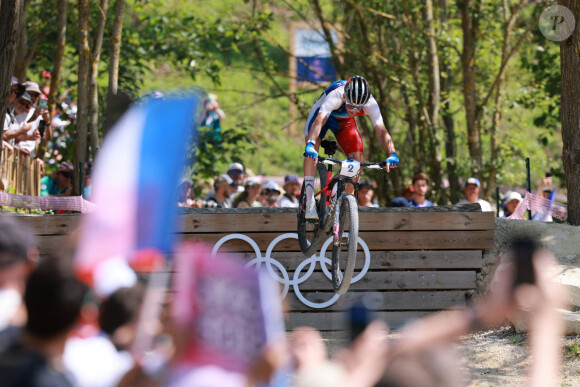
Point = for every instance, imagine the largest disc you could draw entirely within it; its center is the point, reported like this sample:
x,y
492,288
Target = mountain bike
x,y
337,215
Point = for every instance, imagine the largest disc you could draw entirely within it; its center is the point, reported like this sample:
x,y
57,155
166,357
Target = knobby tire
x,y
341,278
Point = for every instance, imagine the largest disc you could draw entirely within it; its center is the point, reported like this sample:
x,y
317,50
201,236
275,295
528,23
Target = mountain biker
x,y
336,109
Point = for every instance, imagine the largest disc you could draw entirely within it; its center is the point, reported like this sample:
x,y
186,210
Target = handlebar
x,y
373,165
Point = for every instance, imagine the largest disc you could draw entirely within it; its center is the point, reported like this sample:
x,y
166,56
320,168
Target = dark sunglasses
x,y
24,103
236,172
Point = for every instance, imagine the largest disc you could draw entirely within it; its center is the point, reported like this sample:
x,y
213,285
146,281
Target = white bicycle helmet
x,y
357,91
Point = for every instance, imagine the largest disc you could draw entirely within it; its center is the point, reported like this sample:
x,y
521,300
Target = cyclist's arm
x,y
374,113
385,138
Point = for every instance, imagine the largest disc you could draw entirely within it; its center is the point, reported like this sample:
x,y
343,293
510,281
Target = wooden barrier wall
x,y
420,260
18,172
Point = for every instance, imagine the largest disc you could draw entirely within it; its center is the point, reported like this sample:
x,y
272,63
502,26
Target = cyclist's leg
x,y
310,164
350,140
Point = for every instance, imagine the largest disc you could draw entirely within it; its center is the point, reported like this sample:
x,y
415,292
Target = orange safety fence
x,y
19,173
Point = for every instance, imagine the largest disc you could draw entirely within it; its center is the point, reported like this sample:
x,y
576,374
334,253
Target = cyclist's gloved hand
x,y
309,151
392,160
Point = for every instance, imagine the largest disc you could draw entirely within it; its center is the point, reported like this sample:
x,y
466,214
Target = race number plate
x,y
350,168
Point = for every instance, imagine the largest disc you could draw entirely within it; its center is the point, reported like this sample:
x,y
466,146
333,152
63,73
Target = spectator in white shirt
x,y
472,189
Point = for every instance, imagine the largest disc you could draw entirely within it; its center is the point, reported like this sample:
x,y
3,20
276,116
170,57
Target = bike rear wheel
x,y
344,255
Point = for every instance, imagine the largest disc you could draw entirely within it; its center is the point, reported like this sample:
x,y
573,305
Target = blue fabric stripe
x,y
168,126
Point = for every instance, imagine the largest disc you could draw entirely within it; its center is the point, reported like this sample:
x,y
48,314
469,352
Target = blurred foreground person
x,y
53,300
103,360
521,288
18,256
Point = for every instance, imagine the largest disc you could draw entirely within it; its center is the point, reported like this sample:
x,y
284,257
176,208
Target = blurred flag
x,y
135,184
540,205
224,312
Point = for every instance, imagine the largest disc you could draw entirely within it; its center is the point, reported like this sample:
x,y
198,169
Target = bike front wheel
x,y
344,253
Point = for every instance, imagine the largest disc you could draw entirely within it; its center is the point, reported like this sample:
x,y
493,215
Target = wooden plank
x,y
337,321
401,300
399,280
51,224
208,222
55,244
391,240
422,259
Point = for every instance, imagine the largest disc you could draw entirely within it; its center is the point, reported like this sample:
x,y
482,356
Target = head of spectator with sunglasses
x,y
22,104
16,90
236,172
270,194
33,89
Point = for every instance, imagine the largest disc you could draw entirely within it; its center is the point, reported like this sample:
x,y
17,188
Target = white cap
x,y
271,185
513,195
236,166
252,181
227,177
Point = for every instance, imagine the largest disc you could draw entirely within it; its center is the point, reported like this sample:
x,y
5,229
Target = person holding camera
x,y
12,128
22,131
39,118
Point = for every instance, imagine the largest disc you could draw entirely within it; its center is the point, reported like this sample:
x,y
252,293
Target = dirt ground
x,y
499,358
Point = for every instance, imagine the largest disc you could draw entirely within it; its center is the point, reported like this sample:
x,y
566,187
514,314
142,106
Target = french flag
x,y
135,183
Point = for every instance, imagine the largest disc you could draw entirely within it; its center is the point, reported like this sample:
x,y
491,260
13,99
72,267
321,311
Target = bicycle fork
x,y
336,225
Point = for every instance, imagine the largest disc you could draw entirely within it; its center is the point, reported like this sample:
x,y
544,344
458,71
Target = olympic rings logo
x,y
297,279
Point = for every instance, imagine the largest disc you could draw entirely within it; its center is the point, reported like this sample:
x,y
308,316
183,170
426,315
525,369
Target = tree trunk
x,y
116,38
470,95
93,127
450,144
433,105
62,10
10,21
509,21
83,89
570,110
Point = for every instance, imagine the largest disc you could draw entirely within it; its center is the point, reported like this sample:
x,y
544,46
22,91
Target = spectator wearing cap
x,y
420,187
269,194
222,191
366,193
59,183
236,173
404,200
291,192
12,128
26,132
249,198
35,116
472,188
512,200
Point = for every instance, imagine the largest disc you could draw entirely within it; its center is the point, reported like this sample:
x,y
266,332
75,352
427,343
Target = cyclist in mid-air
x,y
336,109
